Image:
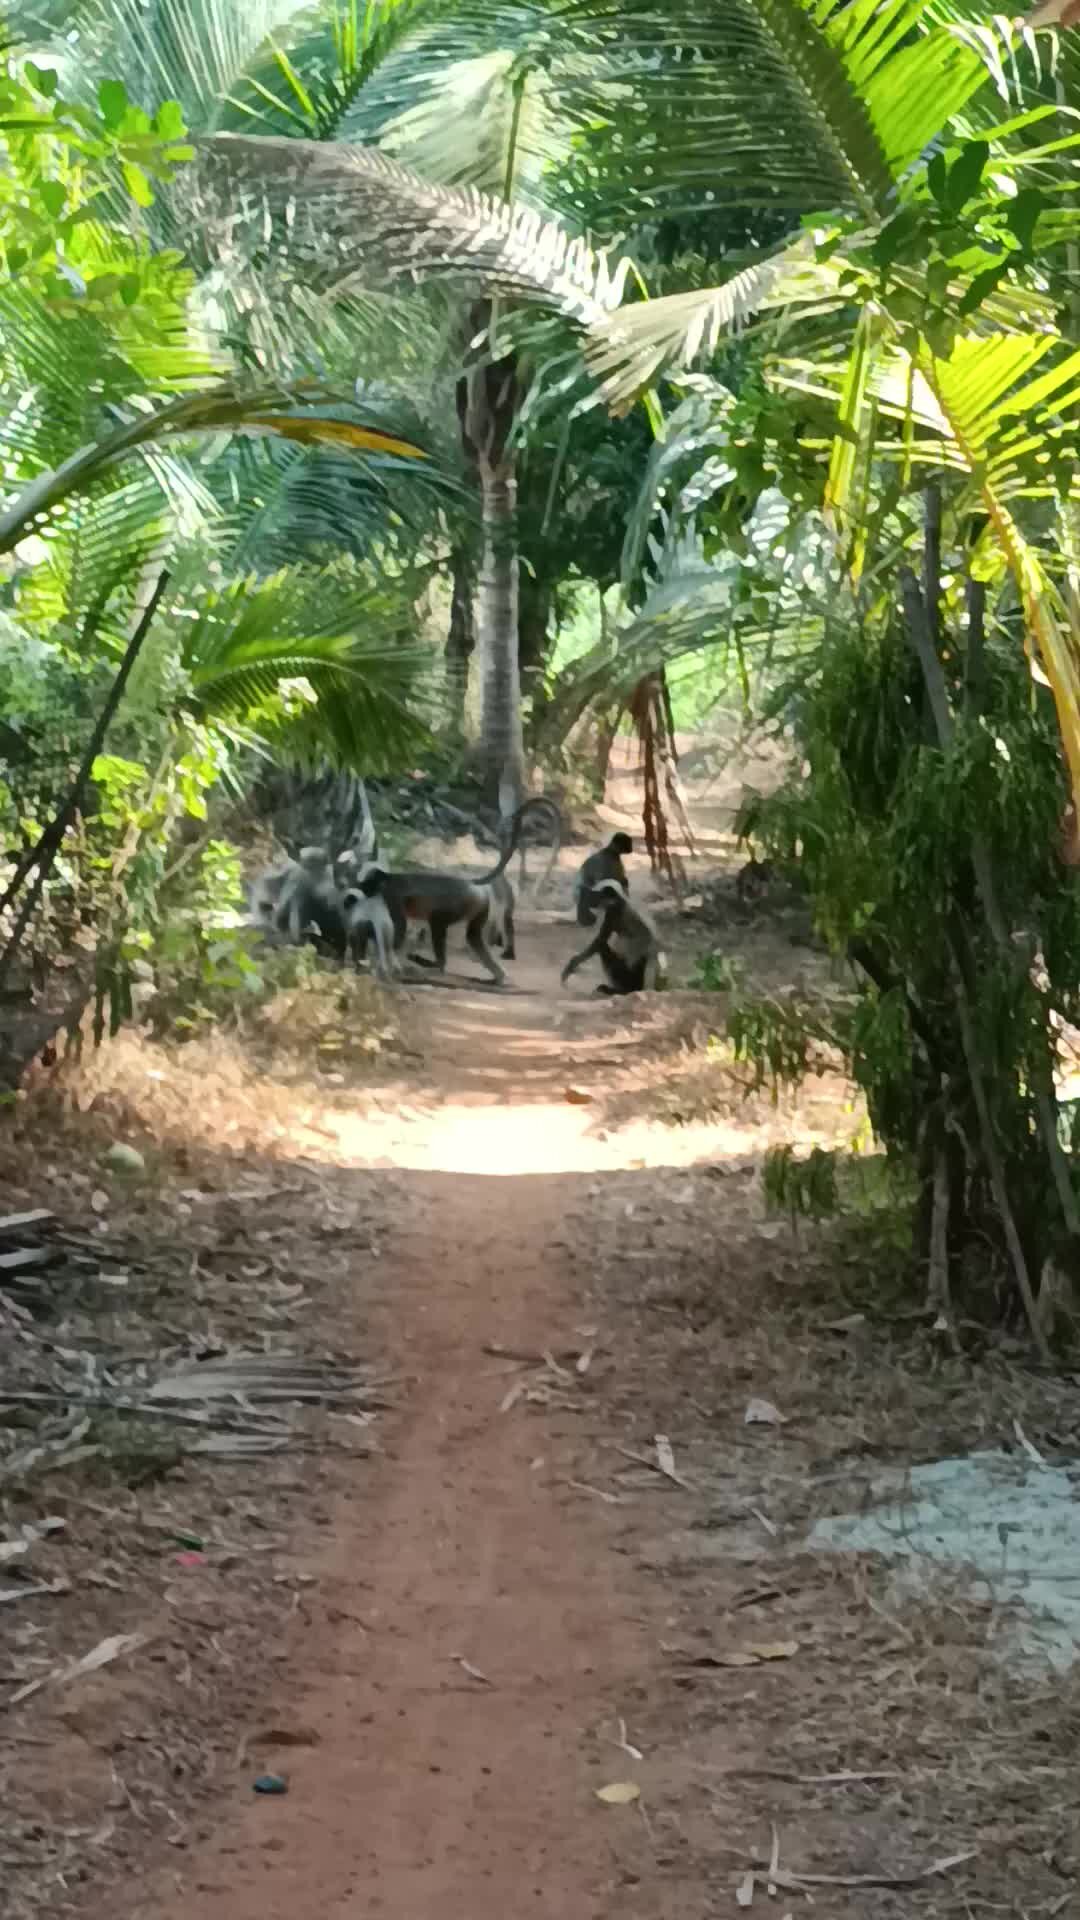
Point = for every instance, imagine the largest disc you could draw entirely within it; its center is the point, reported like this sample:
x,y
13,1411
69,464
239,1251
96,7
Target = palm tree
x,y
915,297
869,98
417,78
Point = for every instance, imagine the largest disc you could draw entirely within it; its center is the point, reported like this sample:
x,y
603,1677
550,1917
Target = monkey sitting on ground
x,y
444,900
603,865
752,882
627,945
265,894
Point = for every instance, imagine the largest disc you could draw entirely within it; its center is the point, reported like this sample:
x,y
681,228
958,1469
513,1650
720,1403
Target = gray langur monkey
x,y
264,895
445,900
604,865
367,917
308,896
541,809
500,924
627,945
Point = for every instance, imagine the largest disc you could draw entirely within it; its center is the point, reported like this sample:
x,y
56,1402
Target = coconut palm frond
x,y
692,445
349,644
191,51
82,580
1008,411
858,91
226,408
1002,410
696,605
491,119
345,215
627,350
279,504
327,64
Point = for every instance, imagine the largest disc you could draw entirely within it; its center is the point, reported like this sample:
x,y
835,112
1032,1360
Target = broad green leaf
x,y
169,121
53,195
113,101
137,184
965,174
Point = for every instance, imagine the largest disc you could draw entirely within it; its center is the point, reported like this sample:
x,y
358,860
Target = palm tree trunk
x,y
535,600
461,637
487,420
497,636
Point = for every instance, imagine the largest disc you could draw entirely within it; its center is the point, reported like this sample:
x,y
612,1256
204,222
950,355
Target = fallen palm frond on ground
x,y
217,1406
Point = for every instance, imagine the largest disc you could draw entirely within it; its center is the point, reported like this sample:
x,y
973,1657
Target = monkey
x,y
543,808
265,894
367,916
308,897
439,900
445,899
501,917
752,881
626,945
603,865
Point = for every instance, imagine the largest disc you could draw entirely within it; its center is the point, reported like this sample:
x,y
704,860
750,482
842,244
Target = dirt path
x,y
429,1792
442,1641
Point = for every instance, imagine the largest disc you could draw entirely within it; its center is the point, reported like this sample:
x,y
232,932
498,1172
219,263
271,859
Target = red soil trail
x,y
426,1793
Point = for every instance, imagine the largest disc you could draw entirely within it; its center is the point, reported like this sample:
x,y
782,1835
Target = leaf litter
x,y
158,1370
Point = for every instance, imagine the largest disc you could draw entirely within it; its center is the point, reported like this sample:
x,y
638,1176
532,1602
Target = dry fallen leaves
x,y
619,1794
762,1413
106,1651
752,1655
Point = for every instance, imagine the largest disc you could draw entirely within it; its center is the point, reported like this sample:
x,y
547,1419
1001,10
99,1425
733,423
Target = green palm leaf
x,y
225,408
349,642
1001,421
82,583
627,350
999,410
803,105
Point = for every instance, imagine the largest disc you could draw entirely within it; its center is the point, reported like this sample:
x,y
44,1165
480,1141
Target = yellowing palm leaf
x,y
222,408
1000,419
309,430
992,411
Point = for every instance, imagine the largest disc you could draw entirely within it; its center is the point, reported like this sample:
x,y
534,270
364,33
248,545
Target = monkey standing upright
x,y
626,946
605,864
542,810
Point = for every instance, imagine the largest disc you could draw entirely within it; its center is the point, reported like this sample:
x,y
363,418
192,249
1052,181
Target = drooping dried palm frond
x,y
337,216
650,710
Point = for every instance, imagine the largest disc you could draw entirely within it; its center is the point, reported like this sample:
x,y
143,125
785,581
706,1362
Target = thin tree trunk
x,y
461,638
607,725
501,741
534,642
487,420
47,848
